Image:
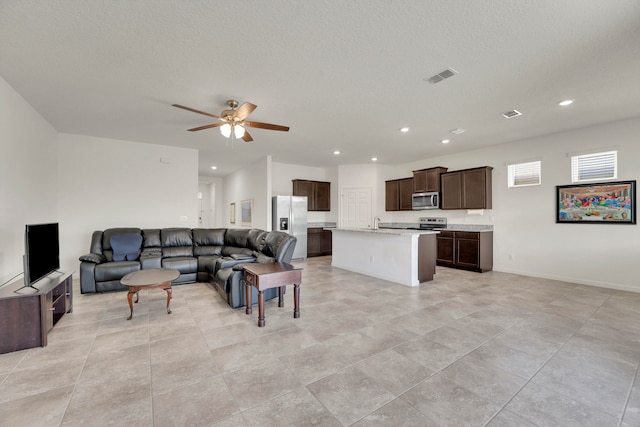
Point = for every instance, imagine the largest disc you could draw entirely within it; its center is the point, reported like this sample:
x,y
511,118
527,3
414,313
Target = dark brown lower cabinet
x,y
318,242
468,250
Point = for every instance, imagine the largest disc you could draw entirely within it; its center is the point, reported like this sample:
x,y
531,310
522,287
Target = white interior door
x,y
356,207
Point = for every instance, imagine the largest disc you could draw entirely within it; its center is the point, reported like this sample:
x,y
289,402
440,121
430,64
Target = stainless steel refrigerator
x,y
289,214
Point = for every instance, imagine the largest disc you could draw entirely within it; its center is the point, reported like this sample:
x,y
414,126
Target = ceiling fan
x,y
233,120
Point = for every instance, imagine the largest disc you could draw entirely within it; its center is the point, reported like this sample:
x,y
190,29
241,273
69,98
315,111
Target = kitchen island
x,y
407,257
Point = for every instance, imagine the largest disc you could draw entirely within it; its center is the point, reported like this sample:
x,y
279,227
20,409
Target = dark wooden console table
x,y
28,315
267,276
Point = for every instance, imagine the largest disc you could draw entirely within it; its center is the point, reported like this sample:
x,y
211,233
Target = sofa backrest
x,y
176,242
236,241
107,250
151,238
208,241
279,246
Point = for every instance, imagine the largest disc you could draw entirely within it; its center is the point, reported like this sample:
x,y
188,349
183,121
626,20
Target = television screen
x,y
42,251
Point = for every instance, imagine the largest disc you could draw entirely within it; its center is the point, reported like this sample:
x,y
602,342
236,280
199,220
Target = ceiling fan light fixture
x,y
238,131
225,130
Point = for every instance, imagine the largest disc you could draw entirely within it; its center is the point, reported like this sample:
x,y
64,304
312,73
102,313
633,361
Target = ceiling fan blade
x,y
266,126
214,125
247,137
196,111
244,110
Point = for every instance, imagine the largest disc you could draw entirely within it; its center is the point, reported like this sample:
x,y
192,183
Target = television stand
x,y
27,318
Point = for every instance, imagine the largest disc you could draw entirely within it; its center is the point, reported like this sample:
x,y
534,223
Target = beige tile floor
x,y
469,349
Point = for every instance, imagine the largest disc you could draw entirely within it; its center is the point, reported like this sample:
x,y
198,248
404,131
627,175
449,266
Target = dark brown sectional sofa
x,y
200,255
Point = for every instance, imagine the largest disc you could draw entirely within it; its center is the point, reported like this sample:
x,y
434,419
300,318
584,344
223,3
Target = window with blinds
x,y
524,174
594,166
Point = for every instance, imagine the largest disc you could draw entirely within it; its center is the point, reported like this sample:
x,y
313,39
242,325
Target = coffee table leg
x,y
169,293
130,298
260,308
296,300
247,298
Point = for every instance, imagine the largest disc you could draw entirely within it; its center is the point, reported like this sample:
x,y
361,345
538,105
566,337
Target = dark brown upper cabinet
x,y
466,189
425,180
318,194
398,194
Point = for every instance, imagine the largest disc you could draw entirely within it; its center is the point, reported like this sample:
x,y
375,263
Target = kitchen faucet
x,y
376,220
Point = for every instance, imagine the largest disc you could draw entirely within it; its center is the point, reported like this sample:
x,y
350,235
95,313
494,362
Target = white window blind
x,y
594,166
524,174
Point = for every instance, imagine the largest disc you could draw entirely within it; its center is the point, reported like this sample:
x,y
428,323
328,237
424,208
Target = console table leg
x,y
247,298
296,300
281,296
260,308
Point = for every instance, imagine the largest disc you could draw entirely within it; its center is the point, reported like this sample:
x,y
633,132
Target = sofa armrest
x,y
94,258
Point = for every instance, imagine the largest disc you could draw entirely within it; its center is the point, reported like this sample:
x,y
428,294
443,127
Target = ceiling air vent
x,y
449,72
457,131
511,114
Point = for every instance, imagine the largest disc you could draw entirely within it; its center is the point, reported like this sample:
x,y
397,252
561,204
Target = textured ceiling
x,y
343,75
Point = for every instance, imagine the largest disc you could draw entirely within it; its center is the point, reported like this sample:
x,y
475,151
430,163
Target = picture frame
x,y
596,203
232,213
246,212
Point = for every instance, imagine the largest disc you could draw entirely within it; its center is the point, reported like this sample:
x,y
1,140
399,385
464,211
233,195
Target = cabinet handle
x,y
52,309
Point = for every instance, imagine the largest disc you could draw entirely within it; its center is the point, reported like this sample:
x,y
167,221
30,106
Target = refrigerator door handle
x,y
291,217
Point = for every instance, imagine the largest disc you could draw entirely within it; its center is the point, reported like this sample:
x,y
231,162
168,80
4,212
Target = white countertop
x,y
392,231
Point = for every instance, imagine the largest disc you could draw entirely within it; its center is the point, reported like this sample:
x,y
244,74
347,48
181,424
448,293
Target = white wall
x,y
283,174
250,183
28,176
108,183
527,239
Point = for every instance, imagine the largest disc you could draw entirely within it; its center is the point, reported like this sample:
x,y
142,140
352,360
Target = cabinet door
x,y
474,184
445,251
433,179
304,188
420,181
405,188
322,196
314,242
391,196
451,183
327,242
468,253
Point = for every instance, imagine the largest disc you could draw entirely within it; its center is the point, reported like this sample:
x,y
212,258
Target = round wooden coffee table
x,y
151,278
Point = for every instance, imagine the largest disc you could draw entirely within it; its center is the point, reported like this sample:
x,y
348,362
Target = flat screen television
x,y
41,252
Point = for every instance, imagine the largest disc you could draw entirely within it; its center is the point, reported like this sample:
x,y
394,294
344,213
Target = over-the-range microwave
x,y
429,200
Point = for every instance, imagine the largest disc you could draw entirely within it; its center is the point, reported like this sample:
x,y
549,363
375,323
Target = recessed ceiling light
x,y
457,131
214,167
565,102
404,130
445,141
374,159
336,152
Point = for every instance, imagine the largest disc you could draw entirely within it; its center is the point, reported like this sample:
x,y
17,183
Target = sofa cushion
x,y
115,270
208,241
272,242
151,238
256,239
232,250
182,264
176,242
126,247
236,237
